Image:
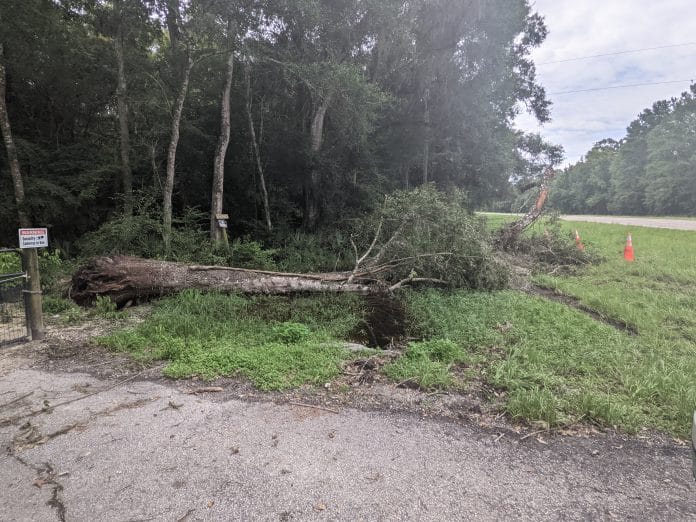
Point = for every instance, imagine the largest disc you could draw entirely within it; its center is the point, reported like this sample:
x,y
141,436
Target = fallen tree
x,y
418,237
510,234
130,279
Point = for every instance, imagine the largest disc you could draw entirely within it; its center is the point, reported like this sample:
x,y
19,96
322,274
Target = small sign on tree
x,y
33,238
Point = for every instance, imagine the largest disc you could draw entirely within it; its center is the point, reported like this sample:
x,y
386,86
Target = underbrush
x,y
275,342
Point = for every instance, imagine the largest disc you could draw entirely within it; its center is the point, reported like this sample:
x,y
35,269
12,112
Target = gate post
x,y
32,294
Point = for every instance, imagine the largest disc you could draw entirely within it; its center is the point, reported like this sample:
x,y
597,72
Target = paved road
x,y
674,224
146,450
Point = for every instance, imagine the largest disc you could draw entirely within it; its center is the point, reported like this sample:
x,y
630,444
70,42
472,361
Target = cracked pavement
x,y
147,450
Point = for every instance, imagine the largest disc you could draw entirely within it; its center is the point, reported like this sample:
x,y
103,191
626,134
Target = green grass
x,y
559,365
555,364
277,343
428,364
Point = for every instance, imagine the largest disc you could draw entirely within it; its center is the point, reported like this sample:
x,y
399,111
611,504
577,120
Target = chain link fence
x,y
13,320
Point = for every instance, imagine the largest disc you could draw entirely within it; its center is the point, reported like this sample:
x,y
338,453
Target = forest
x,y
651,171
129,125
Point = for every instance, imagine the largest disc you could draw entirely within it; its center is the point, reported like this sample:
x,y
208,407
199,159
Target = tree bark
x,y
426,141
173,15
171,154
220,153
32,298
510,233
257,155
312,210
121,97
17,182
125,279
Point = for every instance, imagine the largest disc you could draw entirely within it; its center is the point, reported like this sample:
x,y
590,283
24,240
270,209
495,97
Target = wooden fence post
x,y
32,294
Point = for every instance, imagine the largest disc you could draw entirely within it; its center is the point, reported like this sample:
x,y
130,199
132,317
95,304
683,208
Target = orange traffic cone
x,y
578,241
628,251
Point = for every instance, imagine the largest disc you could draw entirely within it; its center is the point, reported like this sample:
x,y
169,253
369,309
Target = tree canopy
x,y
332,105
650,171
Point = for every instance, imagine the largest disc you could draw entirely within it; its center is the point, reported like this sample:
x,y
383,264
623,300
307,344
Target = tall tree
x,y
216,205
257,152
10,147
122,98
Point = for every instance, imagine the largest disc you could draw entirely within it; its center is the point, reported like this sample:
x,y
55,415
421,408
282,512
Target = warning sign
x,y
33,237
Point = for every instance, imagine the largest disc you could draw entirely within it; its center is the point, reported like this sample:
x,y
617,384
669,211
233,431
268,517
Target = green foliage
x,y
277,343
433,235
552,245
318,252
559,365
246,253
651,171
536,404
10,263
427,364
141,235
54,305
105,308
291,333
54,269
377,85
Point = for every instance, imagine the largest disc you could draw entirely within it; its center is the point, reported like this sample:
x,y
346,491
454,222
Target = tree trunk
x,y
12,157
257,155
125,279
30,256
312,210
220,152
426,141
171,155
510,233
173,15
121,97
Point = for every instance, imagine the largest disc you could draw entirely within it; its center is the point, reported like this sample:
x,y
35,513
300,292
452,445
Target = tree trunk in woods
x,y
129,279
171,154
173,15
220,152
257,155
121,97
312,210
17,182
30,261
426,141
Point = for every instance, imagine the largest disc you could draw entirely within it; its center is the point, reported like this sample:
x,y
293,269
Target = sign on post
x,y
33,238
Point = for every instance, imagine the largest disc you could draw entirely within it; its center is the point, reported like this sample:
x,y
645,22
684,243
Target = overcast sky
x,y
591,27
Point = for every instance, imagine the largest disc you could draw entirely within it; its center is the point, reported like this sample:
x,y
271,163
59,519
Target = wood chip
x,y
209,389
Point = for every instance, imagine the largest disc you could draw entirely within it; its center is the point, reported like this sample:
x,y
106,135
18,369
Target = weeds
x,y
275,342
559,365
427,364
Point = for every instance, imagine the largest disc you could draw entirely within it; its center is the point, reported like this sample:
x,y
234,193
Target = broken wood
x,y
208,389
511,232
126,279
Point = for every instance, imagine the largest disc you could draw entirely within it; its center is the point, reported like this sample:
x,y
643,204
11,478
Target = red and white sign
x,y
33,237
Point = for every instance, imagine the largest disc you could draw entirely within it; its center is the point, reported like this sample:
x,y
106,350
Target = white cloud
x,y
593,27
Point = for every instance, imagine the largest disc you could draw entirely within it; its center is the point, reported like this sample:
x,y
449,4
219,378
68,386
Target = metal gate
x,y
13,319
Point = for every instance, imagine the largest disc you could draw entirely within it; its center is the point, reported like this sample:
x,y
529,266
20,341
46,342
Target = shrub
x,y
291,333
140,235
432,235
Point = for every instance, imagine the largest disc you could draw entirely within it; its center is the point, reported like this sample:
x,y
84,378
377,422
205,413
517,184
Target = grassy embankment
x,y
553,363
